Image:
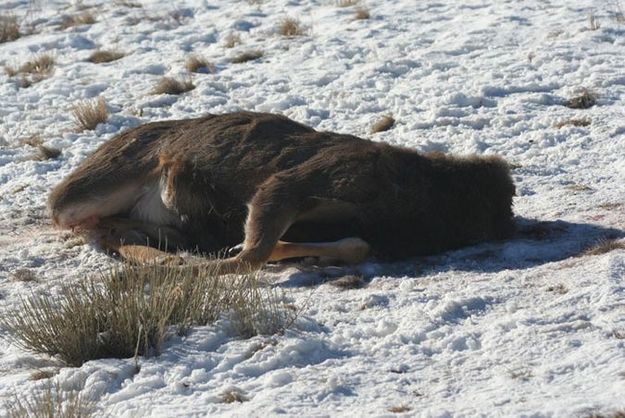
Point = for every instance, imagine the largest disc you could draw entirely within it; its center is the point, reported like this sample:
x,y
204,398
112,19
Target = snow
x,y
526,327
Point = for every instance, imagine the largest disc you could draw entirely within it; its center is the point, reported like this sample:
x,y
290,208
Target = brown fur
x,y
299,185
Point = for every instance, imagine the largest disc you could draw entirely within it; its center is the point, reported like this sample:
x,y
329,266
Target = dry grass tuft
x,y
247,56
89,113
169,85
50,401
43,374
198,64
232,39
593,23
383,124
585,100
233,395
349,282
559,288
33,140
131,310
83,18
9,28
290,27
347,3
102,56
605,246
24,275
399,409
614,414
127,3
579,122
362,14
33,71
45,152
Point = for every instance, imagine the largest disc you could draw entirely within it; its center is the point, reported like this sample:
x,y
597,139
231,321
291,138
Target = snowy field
x,y
533,326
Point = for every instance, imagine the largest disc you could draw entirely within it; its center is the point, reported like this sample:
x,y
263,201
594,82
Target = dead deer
x,y
282,189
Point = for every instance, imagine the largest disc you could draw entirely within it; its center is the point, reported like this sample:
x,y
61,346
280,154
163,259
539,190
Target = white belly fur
x,y
150,208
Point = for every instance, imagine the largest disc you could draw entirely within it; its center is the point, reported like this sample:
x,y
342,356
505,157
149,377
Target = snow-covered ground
x,y
527,327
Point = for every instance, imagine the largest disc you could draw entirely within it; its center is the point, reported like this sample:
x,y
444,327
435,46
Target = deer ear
x,y
168,168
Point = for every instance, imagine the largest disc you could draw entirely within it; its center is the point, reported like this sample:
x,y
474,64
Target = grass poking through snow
x,y
383,124
247,56
33,71
89,113
9,28
584,100
50,401
198,64
103,55
290,27
84,18
169,85
362,14
605,246
133,309
578,122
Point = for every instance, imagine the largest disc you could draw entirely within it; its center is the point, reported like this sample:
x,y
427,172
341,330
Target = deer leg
x,y
347,250
131,239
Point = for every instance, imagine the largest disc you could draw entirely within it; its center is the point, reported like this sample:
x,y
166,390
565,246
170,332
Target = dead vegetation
x,y
383,124
578,188
170,85
613,414
233,395
347,3
33,71
43,374
105,55
399,409
349,282
290,27
362,14
617,13
9,28
127,3
584,100
232,39
246,56
133,309
24,275
83,18
577,122
593,23
605,246
198,64
558,288
45,152
50,401
89,113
